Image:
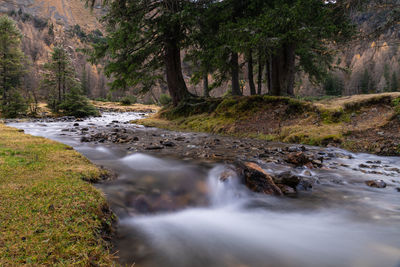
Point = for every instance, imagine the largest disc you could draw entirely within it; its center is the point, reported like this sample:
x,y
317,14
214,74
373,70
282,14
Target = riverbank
x,y
178,194
361,123
50,214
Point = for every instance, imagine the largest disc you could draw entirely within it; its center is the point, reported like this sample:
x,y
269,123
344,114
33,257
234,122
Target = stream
x,y
176,210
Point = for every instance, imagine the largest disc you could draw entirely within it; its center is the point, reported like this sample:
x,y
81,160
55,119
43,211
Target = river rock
x,y
167,143
376,183
257,180
85,139
298,158
142,204
287,178
153,147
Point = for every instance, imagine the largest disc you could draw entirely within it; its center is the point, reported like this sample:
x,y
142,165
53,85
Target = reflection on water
x,y
176,213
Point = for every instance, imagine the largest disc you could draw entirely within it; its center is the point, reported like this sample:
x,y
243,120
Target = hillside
x,y
45,23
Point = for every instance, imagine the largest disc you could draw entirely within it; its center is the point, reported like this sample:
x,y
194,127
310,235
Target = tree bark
x,y
268,74
259,74
290,66
176,84
59,82
250,73
283,70
235,74
4,81
206,89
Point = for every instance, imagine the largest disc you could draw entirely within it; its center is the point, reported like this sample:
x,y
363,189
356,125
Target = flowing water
x,y
180,213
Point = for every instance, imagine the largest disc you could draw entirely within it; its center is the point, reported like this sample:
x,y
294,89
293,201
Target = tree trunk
x,y
290,66
5,82
268,74
235,74
250,74
206,89
259,74
275,75
283,71
59,82
176,84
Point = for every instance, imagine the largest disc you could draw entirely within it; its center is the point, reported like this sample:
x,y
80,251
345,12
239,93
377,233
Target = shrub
x,y
128,100
39,23
75,104
396,105
100,99
165,99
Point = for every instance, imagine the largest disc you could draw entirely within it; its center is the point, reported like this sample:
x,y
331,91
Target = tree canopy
x,y
146,38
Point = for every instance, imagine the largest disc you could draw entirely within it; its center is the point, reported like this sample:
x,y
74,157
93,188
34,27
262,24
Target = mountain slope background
x,y
46,23
362,66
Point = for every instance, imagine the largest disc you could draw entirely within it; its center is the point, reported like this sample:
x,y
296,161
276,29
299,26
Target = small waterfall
x,y
225,187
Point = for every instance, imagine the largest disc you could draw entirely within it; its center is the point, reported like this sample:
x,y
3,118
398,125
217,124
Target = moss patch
x,y
49,214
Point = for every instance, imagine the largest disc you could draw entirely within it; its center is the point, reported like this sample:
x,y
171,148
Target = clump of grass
x,y
49,214
312,135
396,106
372,100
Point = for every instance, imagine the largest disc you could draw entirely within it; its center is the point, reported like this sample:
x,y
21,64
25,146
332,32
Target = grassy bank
x,y
341,121
118,107
49,213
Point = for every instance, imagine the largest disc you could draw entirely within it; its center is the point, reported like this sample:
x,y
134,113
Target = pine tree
x,y
394,83
84,81
59,78
386,74
11,68
145,39
333,85
365,82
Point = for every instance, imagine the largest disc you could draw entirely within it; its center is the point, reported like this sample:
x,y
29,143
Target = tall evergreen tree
x,y
145,38
59,78
365,82
84,81
394,83
11,68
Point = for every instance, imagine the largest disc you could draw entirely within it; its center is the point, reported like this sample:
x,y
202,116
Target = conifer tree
x,y
11,68
59,78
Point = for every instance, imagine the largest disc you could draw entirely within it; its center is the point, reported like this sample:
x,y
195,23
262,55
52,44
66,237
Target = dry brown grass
x,y
343,102
121,108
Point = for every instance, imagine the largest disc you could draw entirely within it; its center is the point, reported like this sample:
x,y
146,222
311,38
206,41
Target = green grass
x,y
49,214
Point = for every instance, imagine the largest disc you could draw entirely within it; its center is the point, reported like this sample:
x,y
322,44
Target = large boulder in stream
x,y
257,180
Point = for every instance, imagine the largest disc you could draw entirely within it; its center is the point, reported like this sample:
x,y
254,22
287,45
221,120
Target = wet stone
x,y
376,183
298,159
